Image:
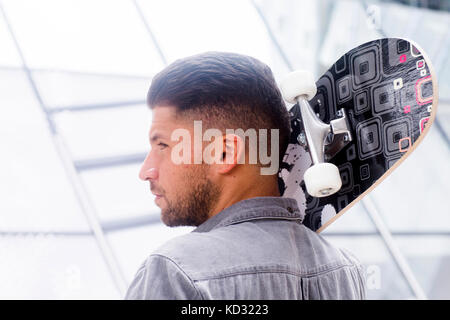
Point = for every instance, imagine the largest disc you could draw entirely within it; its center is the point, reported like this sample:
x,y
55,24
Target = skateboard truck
x,y
323,140
341,135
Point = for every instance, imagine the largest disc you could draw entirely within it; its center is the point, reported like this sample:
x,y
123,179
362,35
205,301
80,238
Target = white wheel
x,y
296,84
322,180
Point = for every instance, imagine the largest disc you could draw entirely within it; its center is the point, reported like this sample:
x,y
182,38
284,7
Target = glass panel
x,y
9,55
443,113
49,267
82,35
429,258
204,25
117,193
444,78
297,27
133,246
36,193
345,34
70,89
101,133
383,278
353,220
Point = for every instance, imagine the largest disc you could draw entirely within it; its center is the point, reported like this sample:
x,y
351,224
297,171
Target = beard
x,y
193,203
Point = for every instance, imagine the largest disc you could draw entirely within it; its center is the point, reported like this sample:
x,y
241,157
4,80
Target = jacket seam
x,y
257,218
299,274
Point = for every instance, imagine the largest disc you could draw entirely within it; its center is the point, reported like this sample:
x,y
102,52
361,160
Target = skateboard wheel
x,y
322,180
296,84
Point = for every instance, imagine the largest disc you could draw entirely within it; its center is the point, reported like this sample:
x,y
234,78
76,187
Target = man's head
x,y
223,91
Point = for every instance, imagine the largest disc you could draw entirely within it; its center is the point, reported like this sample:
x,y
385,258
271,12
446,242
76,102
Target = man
x,y
249,242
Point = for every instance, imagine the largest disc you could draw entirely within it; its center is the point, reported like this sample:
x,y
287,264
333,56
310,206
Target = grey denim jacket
x,y
255,249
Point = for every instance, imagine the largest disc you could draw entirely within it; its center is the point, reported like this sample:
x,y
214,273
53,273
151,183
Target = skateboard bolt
x,y
326,191
346,138
301,138
329,137
339,113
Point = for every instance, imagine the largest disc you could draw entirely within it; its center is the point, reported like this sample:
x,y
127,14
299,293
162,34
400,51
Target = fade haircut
x,y
225,91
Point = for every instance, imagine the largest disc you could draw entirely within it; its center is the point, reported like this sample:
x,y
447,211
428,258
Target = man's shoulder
x,y
190,246
194,253
179,244
265,245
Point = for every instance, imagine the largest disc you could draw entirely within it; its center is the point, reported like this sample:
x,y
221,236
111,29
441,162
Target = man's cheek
x,y
174,165
184,166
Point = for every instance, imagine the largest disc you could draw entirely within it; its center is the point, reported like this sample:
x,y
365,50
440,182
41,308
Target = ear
x,y
233,153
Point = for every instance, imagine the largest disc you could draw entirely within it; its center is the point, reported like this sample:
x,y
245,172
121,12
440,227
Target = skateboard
x,y
351,128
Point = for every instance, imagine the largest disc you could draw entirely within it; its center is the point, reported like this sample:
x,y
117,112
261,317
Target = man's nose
x,y
148,170
148,174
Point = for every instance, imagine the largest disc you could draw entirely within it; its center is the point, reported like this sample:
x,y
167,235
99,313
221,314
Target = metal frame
x,y
98,106
79,73
150,32
96,163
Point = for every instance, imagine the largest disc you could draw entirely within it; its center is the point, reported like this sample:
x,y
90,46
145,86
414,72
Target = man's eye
x,y
162,145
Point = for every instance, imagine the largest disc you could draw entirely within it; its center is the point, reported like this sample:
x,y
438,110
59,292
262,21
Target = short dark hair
x,y
225,90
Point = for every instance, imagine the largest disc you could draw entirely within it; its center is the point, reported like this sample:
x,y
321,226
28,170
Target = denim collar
x,y
253,209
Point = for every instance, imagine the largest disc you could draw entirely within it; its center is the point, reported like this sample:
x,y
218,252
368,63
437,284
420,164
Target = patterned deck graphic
x,y
386,88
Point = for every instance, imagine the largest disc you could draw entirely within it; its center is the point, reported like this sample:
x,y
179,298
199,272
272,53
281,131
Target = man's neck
x,y
239,193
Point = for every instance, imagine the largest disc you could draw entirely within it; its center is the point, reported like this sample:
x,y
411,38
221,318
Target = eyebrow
x,y
155,137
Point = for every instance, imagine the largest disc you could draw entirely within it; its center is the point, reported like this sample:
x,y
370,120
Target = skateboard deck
x,y
388,90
